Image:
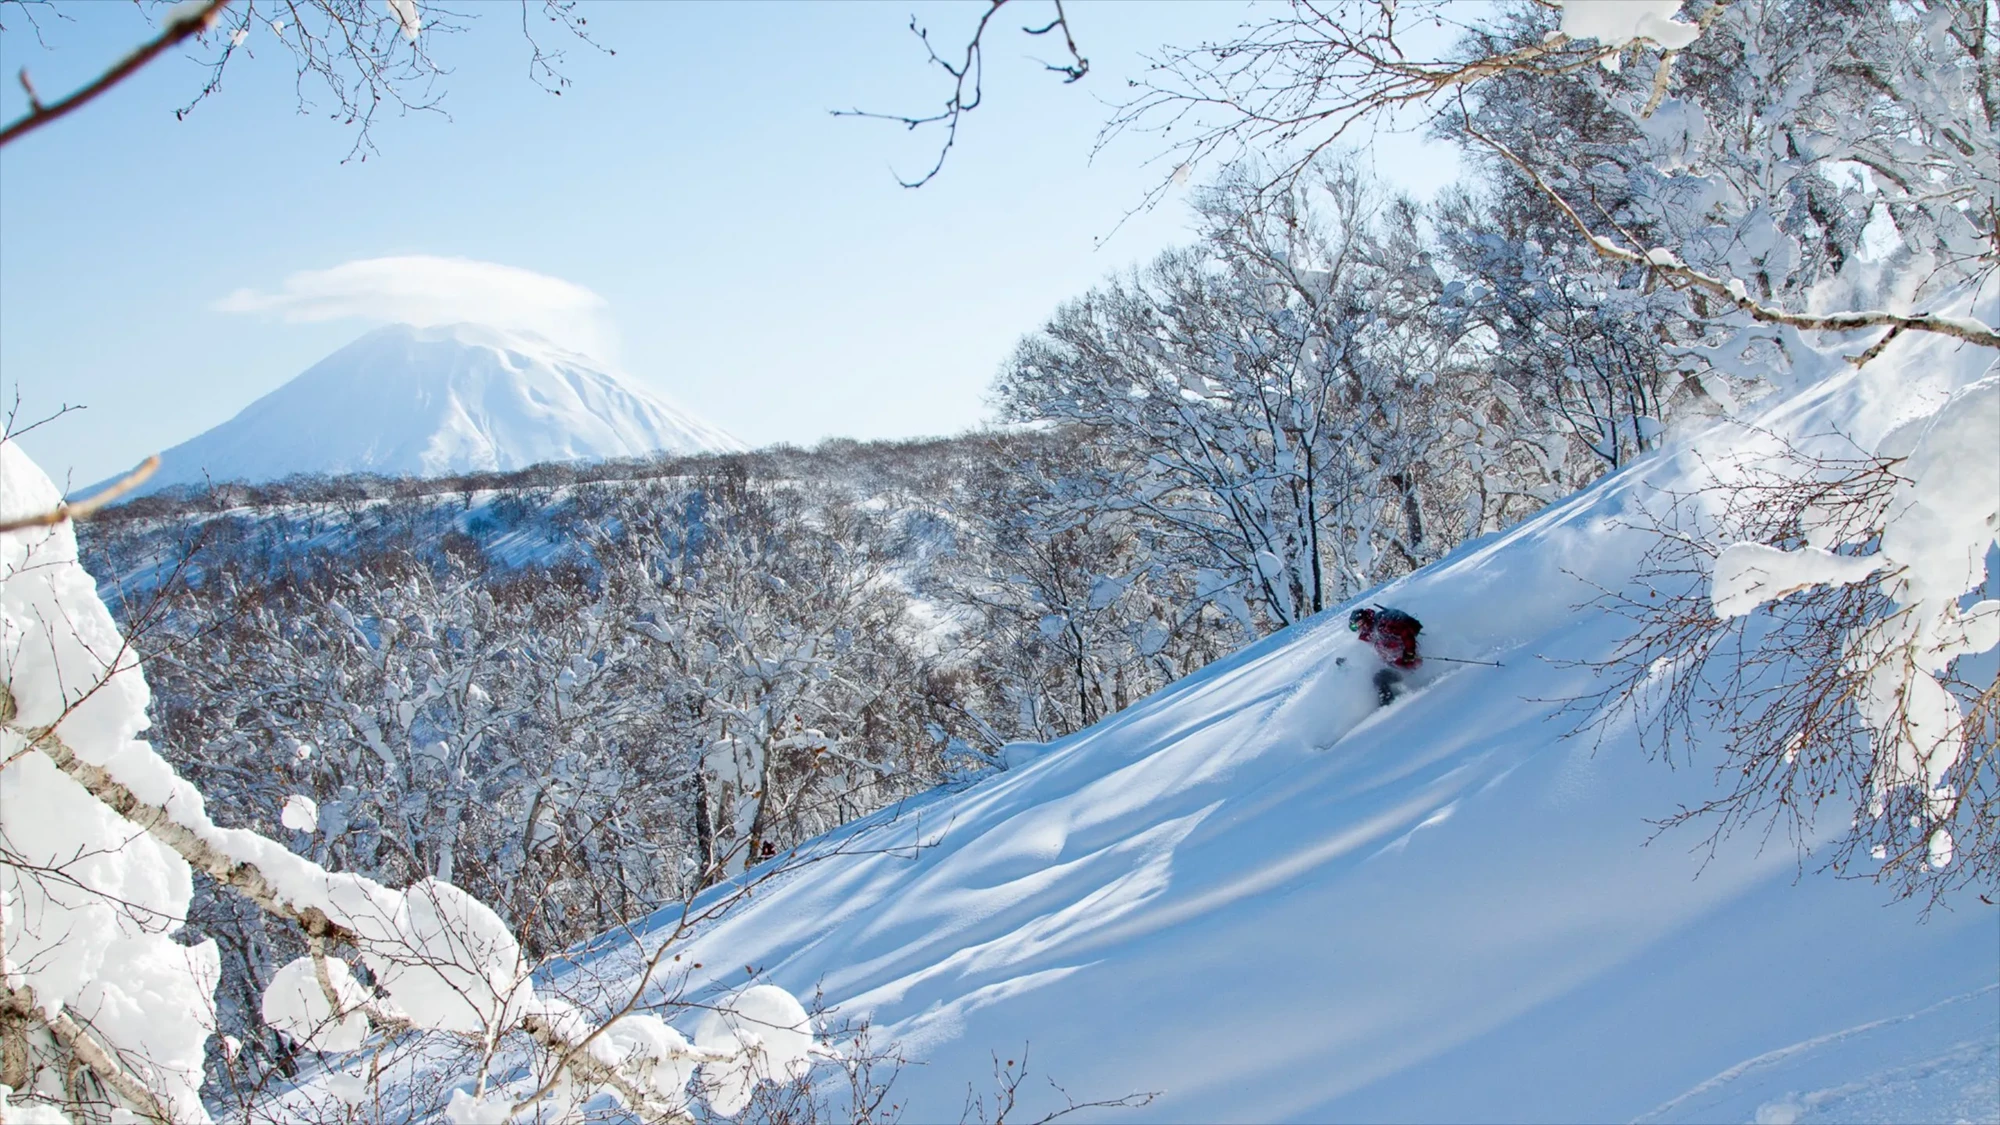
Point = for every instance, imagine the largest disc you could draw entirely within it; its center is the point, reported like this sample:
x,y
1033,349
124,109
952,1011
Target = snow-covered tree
x,y
1277,401
1079,608
779,635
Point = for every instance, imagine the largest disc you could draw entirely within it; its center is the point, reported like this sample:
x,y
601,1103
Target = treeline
x,y
313,489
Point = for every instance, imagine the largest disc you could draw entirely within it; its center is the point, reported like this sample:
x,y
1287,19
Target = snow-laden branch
x,y
21,1004
1664,262
571,1049
199,849
575,1044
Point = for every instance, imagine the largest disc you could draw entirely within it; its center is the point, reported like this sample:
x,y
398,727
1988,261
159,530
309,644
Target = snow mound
x,y
407,401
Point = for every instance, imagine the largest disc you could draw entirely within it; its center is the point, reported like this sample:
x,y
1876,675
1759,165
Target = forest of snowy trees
x,y
581,695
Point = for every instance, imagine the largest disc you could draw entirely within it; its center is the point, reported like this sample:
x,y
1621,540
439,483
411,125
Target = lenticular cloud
x,y
427,291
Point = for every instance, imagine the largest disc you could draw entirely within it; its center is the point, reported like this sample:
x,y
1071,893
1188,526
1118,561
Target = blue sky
x,y
755,257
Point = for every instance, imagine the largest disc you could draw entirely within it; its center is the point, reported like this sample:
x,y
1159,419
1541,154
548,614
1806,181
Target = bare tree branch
x,y
84,509
178,29
1297,83
969,72
20,1003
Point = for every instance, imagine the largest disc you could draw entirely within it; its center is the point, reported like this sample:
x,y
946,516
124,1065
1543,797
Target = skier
x,y
1394,635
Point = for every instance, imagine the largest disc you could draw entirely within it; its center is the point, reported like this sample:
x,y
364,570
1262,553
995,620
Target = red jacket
x,y
1392,632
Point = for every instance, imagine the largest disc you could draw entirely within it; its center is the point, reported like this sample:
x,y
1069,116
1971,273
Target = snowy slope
x,y
406,401
1264,899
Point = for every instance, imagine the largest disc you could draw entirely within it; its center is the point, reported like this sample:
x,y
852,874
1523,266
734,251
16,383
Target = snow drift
x,y
408,401
1263,899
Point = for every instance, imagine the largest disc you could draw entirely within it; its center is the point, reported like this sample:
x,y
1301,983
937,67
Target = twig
x,y
21,1003
1078,66
38,115
972,69
8,432
84,509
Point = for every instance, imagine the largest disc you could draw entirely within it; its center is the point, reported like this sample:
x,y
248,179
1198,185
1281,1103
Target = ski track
x,y
1971,1051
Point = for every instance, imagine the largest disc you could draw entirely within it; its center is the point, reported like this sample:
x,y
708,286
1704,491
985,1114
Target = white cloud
x,y
424,290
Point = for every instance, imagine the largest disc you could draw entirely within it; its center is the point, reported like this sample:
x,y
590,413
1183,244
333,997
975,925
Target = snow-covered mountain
x,y
408,401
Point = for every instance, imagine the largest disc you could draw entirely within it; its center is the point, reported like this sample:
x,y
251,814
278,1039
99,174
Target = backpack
x,y
1391,631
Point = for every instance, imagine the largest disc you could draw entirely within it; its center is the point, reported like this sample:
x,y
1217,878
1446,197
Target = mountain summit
x,y
409,401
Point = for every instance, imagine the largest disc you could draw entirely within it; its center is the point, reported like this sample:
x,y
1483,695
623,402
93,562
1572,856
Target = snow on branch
x,y
1808,613
20,1003
199,849
446,965
1748,575
1666,263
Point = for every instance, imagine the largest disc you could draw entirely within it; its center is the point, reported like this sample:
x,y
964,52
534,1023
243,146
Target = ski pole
x,y
1458,660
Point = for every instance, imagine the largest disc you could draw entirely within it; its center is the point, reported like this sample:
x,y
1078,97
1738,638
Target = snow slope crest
x,y
409,401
